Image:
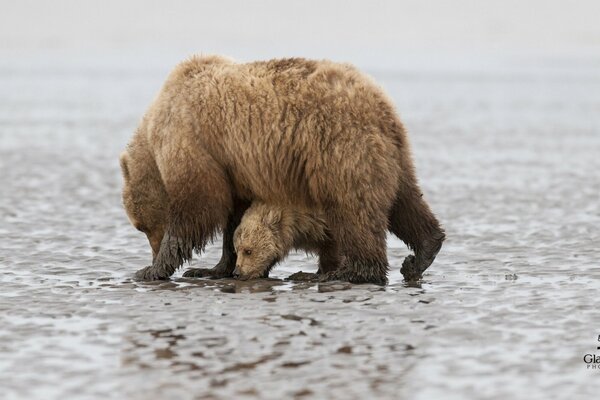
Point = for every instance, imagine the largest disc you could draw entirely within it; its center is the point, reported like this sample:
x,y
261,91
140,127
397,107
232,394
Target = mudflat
x,y
508,159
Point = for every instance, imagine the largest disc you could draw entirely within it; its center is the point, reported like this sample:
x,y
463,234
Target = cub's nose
x,y
236,272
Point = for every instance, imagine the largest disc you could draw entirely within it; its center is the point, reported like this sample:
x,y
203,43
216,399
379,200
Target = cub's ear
x,y
124,161
272,219
236,237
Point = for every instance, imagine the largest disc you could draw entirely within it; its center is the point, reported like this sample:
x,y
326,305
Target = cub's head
x,y
257,241
144,196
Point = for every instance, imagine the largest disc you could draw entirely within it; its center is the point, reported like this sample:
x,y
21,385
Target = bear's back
x,y
289,130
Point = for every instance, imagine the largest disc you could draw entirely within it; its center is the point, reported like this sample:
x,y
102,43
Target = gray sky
x,y
370,33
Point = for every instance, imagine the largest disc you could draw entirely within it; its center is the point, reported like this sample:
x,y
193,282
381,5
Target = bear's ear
x,y
124,161
272,219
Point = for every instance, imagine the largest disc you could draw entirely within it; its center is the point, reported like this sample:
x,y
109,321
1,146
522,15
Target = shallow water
x,y
508,160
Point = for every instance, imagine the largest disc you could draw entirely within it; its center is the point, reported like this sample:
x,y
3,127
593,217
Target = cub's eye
x,y
247,252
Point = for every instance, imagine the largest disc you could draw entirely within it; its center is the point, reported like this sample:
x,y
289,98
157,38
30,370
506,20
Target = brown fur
x,y
267,233
313,135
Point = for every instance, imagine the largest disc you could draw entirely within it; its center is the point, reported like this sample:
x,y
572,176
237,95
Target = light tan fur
x,y
312,135
267,233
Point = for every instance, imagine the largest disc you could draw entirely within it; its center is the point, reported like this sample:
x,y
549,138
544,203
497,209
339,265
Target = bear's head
x,y
144,196
258,242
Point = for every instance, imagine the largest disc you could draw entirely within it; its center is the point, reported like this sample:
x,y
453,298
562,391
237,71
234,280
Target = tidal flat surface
x,y
508,160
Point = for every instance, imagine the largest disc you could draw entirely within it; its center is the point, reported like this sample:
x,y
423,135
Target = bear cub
x,y
267,233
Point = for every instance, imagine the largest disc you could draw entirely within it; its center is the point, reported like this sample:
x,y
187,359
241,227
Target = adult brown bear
x,y
311,134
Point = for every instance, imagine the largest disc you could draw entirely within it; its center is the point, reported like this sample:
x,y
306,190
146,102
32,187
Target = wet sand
x,y
507,159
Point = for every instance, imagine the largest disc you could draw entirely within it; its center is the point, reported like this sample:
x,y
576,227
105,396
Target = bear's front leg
x,y
174,251
200,201
225,267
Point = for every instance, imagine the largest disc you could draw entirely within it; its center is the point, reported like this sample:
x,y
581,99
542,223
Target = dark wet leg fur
x,y
359,271
175,249
329,256
363,246
225,267
173,252
413,222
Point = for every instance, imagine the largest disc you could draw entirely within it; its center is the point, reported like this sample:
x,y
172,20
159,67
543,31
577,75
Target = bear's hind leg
x,y
361,240
412,221
225,267
329,256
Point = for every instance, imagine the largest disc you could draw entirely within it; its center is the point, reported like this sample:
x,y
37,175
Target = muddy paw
x,y
303,277
409,269
149,274
198,273
206,273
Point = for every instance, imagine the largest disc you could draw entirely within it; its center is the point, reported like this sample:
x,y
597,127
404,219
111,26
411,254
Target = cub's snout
x,y
236,272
